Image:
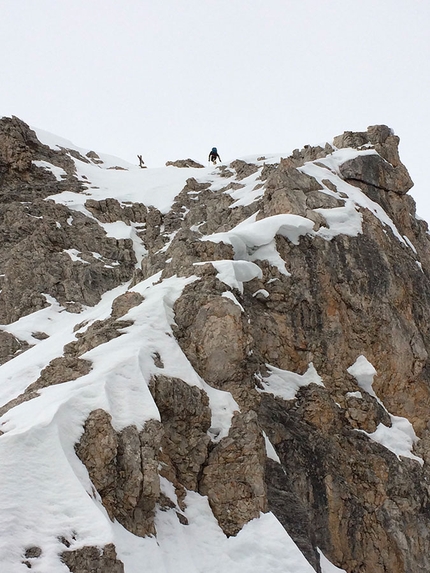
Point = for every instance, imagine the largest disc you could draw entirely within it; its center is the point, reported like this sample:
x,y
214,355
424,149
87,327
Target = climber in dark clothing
x,y
141,162
213,156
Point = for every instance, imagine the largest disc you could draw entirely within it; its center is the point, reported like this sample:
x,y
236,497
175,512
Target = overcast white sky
x,y
170,79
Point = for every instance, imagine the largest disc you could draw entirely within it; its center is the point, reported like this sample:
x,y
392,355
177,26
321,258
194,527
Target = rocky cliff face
x,y
264,344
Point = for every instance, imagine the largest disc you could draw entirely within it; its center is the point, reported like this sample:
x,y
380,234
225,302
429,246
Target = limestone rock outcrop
x,y
291,363
46,242
123,469
186,419
184,163
383,170
233,478
93,559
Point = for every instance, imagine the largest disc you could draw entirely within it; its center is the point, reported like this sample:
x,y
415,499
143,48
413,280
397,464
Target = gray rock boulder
x,y
376,171
184,163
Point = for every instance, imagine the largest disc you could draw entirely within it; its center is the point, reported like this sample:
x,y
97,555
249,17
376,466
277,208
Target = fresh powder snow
x,y
401,437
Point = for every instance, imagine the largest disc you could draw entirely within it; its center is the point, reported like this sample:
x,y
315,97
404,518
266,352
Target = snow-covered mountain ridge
x,y
213,369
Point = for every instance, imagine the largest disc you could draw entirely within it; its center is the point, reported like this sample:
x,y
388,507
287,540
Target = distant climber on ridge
x,y
141,162
213,155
